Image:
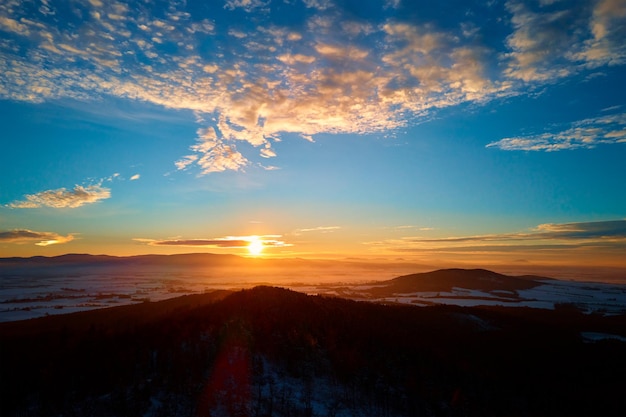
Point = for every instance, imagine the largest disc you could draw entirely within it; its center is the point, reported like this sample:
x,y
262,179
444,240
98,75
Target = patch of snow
x,y
504,292
595,337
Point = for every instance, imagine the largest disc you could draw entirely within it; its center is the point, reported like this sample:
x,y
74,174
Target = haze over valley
x,y
35,287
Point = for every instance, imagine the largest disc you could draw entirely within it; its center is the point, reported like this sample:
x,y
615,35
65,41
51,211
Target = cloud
x,y
551,242
584,134
14,26
247,5
21,236
270,167
330,75
217,243
354,28
267,152
394,4
237,33
601,234
557,39
212,155
421,228
341,52
613,229
321,229
608,29
318,4
135,177
291,59
221,158
220,242
205,26
538,41
63,198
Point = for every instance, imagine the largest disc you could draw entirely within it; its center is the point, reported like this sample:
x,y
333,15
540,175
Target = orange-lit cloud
x,y
63,198
332,75
22,236
320,229
268,241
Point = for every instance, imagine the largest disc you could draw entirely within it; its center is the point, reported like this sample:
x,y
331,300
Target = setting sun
x,y
255,247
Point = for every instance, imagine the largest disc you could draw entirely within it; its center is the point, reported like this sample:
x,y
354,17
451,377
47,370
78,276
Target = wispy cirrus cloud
x,y
320,229
584,134
410,226
327,75
615,229
612,229
268,241
606,235
23,236
64,198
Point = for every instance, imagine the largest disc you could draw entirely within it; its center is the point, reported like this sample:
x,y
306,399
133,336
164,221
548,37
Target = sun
x,y
255,247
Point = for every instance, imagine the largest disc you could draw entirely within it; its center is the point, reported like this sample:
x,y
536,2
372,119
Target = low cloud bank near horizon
x,y
221,242
23,236
599,239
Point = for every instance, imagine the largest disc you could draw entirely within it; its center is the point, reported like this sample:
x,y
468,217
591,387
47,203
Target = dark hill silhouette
x,y
274,352
447,279
189,259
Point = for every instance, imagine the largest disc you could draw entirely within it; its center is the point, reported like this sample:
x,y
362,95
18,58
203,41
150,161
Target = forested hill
x,y
273,352
447,279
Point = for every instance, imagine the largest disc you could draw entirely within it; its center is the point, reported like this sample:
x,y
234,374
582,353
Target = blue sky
x,y
459,131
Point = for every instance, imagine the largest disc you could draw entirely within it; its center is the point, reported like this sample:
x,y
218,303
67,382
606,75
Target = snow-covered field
x,y
30,293
22,298
64,291
589,297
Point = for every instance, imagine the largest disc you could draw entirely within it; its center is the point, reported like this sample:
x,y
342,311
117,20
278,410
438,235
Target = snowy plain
x,y
29,292
587,296
32,293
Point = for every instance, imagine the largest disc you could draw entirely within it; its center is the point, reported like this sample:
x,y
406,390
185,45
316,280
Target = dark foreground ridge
x,y
274,352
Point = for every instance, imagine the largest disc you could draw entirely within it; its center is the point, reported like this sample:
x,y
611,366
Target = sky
x,y
459,131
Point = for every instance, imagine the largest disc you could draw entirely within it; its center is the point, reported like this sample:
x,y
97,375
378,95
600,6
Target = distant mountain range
x,y
191,260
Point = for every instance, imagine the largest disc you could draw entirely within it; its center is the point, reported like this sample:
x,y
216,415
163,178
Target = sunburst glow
x,y
255,247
